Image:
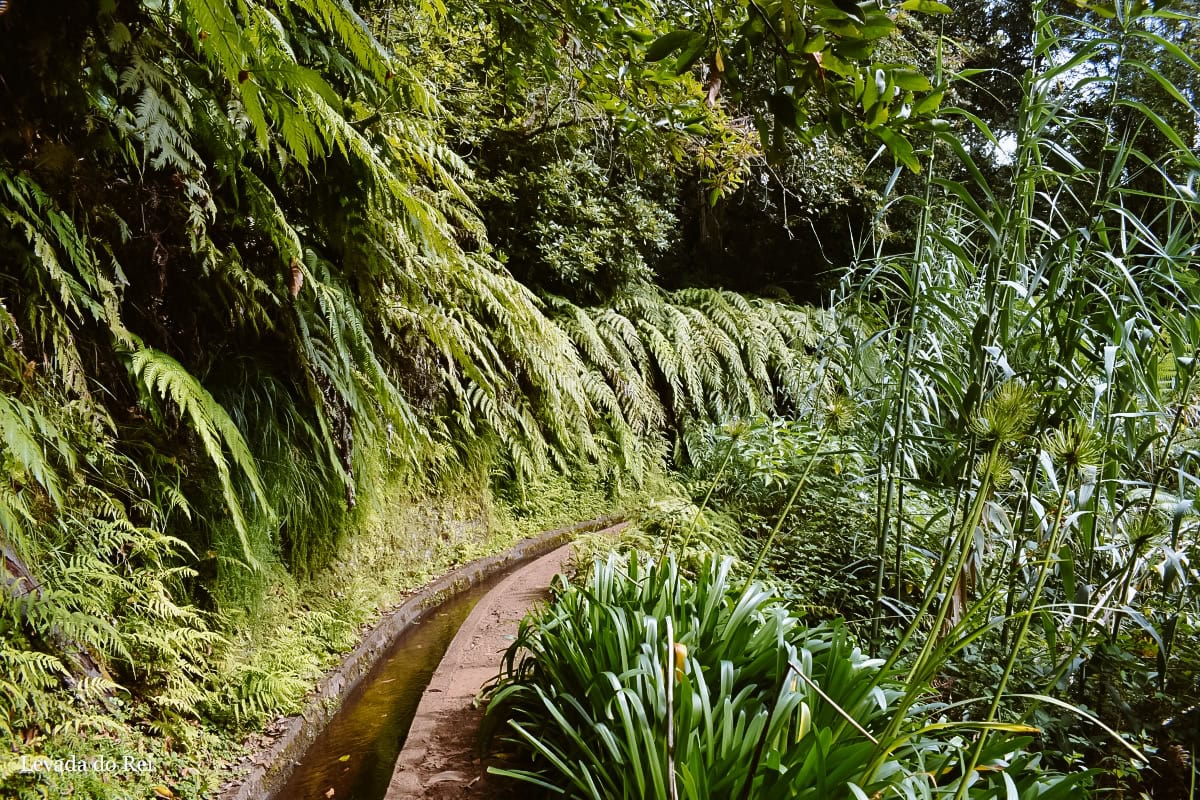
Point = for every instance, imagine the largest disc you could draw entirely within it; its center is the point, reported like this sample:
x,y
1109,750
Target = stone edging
x,y
281,759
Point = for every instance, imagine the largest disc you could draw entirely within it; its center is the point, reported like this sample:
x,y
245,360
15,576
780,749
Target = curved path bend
x,y
440,758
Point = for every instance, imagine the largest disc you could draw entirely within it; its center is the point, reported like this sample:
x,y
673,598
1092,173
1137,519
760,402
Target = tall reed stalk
x,y
1076,281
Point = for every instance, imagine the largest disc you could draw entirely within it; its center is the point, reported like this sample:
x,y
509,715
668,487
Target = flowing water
x,y
354,756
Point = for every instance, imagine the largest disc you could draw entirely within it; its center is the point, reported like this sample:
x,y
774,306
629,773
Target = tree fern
x,y
696,355
269,197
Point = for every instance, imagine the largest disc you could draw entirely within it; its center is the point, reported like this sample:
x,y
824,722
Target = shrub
x,y
642,683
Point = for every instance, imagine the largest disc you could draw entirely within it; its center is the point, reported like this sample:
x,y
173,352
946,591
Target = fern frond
x,y
166,377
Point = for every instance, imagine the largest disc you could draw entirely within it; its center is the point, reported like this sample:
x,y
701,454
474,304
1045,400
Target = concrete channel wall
x,y
275,766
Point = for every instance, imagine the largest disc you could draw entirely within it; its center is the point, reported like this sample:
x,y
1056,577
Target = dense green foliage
x,y
1046,373
1025,404
642,683
242,279
262,263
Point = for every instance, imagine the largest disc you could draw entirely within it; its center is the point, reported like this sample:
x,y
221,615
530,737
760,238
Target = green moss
x,y
282,633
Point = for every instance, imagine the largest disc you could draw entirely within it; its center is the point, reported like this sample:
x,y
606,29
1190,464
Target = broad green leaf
x,y
877,114
930,103
850,9
877,26
900,148
910,80
668,43
690,53
926,7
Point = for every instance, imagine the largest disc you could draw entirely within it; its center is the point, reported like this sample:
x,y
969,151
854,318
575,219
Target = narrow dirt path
x,y
439,759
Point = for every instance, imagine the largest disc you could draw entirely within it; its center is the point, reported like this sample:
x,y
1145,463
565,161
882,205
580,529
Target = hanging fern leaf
x,y
166,377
